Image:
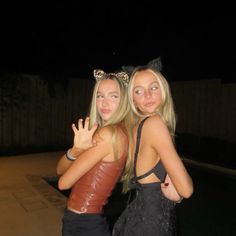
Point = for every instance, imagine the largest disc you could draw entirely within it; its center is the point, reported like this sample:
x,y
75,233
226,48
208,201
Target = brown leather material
x,y
90,193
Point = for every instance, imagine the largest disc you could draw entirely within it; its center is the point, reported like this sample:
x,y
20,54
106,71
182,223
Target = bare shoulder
x,y
104,134
156,132
154,123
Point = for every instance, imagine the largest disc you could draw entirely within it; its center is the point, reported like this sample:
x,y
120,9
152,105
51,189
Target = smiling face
x,y
146,92
107,98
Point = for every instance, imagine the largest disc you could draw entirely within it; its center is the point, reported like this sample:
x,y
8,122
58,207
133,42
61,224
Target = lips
x,y
149,104
105,111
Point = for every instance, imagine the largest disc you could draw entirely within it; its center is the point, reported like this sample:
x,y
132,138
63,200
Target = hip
x,y
84,224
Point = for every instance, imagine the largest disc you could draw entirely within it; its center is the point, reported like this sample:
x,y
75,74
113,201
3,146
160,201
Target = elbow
x,y
188,192
191,191
59,171
62,185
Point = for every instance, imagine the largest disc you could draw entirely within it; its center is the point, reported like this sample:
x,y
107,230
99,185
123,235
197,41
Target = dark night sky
x,y
71,39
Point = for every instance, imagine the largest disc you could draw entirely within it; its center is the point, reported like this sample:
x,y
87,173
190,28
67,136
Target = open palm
x,y
83,136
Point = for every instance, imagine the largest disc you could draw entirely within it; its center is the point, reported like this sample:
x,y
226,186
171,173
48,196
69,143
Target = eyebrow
x,y
109,92
154,82
137,86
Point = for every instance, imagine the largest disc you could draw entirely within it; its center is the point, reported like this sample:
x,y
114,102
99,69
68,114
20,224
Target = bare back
x,y
147,157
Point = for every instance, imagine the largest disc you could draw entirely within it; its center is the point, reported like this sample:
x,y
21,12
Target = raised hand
x,y
83,137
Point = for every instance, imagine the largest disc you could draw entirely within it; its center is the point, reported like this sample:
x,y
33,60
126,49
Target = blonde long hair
x,y
122,114
165,110
123,107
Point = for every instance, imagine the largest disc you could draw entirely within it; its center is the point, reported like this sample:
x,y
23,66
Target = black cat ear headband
x,y
155,64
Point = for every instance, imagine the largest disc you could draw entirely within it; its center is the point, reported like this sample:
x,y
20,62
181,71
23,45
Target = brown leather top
x,y
90,193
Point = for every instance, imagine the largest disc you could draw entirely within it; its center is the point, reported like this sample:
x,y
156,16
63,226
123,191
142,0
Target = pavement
x,y
30,206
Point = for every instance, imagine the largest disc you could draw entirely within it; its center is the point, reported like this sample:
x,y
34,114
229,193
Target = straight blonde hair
x,y
165,111
122,114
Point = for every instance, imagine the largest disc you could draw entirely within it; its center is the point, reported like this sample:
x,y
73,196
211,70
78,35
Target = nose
x,y
104,102
147,94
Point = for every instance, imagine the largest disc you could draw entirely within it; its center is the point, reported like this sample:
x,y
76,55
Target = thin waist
x,y
147,185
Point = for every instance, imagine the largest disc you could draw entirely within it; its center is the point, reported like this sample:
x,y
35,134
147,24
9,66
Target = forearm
x,y
65,162
185,187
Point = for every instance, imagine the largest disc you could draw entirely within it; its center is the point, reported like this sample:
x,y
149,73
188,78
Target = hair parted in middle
x,y
165,110
122,114
122,79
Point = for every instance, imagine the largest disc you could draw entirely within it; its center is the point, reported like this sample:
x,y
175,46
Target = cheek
x,y
98,104
116,104
137,100
158,97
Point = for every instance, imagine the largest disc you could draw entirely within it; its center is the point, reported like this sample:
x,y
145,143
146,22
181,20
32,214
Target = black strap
x,y
144,175
138,144
157,168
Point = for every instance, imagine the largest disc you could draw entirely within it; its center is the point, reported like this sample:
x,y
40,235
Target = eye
x,y
138,91
99,96
154,88
114,97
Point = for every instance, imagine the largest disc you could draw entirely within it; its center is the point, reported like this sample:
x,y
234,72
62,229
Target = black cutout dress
x,y
150,213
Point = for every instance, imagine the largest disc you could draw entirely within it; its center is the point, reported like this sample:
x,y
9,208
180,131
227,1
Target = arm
x,y
83,139
64,163
169,190
161,142
87,159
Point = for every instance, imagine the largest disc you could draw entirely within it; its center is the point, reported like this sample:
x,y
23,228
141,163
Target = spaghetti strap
x,y
138,144
158,169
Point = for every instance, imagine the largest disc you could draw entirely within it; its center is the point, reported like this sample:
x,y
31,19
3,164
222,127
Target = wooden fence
x,y
206,120
36,115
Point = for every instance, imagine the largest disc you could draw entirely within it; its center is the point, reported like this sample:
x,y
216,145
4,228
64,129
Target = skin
x,y
108,98
146,93
156,142
90,147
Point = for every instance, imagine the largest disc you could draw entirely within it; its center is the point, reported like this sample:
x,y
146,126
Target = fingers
x,y
74,128
80,124
93,129
86,123
164,185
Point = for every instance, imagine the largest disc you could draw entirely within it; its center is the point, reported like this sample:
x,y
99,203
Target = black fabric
x,y
84,225
150,213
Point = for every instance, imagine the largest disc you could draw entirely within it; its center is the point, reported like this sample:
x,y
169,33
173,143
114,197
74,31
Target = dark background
x,y
60,39
72,38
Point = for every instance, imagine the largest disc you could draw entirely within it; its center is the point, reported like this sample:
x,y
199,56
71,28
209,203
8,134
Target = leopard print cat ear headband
x,y
122,76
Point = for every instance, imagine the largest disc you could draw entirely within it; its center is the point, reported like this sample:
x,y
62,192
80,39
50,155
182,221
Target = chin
x,y
106,118
149,112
